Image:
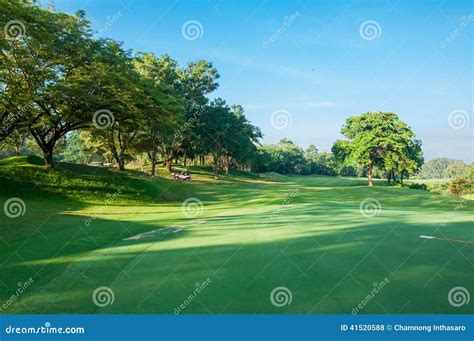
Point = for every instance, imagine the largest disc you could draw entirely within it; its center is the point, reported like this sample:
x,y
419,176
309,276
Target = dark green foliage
x,y
227,135
56,77
418,186
379,140
284,158
287,158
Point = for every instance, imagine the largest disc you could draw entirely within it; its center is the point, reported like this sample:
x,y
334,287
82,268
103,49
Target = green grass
x,y
433,185
255,233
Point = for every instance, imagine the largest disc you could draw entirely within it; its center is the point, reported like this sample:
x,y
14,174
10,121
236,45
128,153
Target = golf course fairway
x,y
154,245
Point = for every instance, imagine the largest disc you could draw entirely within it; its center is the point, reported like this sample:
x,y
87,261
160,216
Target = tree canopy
x,y
56,78
382,140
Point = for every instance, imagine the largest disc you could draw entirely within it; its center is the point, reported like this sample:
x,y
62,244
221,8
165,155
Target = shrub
x,y
459,186
418,186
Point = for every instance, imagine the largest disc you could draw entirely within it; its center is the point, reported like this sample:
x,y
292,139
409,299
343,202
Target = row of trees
x,y
68,91
56,78
376,145
444,168
286,157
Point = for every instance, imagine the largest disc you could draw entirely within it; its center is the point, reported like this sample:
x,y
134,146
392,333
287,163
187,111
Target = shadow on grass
x,y
329,267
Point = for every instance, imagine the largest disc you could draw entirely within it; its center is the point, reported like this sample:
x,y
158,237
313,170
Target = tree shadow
x,y
329,268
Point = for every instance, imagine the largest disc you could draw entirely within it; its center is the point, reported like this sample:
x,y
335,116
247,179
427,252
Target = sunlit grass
x,y
254,233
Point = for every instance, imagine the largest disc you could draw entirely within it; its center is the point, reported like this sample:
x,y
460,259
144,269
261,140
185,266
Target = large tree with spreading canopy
x,y
382,140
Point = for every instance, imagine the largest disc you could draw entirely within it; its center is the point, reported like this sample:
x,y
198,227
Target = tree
x,y
241,140
284,157
435,169
46,73
197,80
323,164
456,169
377,139
312,150
412,158
163,105
405,157
17,141
123,98
228,135
79,149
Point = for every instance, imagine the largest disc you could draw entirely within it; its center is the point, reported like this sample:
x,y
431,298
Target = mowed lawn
x,y
253,234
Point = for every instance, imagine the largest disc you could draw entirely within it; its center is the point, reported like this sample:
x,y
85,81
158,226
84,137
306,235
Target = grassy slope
x,y
254,234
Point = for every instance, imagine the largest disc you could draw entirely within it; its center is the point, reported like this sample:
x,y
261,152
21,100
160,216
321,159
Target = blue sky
x,y
321,66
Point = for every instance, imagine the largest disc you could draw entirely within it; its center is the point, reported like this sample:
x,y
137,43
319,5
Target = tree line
x,y
56,78
445,168
376,144
70,94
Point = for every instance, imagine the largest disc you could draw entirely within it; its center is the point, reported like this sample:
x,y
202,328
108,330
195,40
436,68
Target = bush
x,y
459,186
418,186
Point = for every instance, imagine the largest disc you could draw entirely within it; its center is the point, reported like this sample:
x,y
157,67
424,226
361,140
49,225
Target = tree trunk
x,y
169,165
401,178
47,147
216,174
48,158
18,148
122,161
121,164
226,165
369,176
389,176
153,162
169,161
